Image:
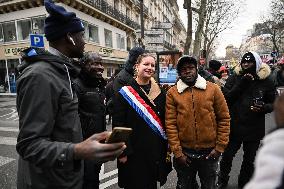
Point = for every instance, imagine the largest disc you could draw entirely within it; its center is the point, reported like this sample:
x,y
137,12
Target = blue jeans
x,y
205,168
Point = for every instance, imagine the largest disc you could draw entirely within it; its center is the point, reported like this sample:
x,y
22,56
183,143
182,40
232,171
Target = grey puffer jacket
x,y
49,123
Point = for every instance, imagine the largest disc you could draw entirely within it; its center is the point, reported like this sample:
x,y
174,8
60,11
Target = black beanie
x,y
133,55
215,65
185,60
248,57
60,22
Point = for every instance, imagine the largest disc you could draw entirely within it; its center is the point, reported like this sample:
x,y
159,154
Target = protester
x,y
214,66
269,163
50,142
278,77
141,106
109,92
249,93
90,87
198,126
125,76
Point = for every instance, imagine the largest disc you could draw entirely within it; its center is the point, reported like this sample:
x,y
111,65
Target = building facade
x,y
111,28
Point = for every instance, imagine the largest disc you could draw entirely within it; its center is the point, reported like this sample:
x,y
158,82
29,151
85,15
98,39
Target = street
x,y
8,154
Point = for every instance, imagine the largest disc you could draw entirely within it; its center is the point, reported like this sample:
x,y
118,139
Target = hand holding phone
x,y
119,134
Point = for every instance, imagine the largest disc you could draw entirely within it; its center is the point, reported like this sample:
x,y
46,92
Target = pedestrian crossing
x,y
9,114
107,179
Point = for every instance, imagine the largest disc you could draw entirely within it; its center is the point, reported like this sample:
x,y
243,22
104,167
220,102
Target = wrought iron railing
x,y
103,6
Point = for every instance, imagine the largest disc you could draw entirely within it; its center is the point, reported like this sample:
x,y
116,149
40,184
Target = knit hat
x,y
60,22
185,60
215,65
252,57
133,55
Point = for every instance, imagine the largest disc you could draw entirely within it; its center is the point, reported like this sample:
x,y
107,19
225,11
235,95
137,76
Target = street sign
x,y
36,40
274,54
162,25
154,32
150,40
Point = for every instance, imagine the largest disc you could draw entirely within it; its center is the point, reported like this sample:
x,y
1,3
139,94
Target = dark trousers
x,y
153,186
206,170
250,148
91,175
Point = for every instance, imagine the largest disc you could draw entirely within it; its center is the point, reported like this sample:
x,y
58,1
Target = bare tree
x,y
201,11
220,16
187,5
274,25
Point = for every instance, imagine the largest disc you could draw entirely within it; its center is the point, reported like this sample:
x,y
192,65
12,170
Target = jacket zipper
x,y
194,115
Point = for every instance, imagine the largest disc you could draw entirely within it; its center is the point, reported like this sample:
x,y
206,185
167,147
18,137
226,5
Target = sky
x,y
251,13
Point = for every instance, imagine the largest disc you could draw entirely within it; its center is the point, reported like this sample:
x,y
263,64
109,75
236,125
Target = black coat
x,y
146,151
247,125
49,123
92,109
123,78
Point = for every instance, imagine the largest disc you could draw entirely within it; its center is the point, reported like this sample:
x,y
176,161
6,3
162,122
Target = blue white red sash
x,y
144,110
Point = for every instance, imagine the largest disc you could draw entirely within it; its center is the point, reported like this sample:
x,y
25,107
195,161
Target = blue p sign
x,y
37,40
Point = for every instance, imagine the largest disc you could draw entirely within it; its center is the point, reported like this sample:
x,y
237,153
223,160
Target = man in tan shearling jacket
x,y
198,126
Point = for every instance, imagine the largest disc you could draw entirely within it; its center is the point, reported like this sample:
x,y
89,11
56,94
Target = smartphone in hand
x,y
119,134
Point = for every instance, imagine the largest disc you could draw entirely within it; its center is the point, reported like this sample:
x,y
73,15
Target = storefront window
x,y
3,78
108,38
12,72
109,72
9,31
38,25
24,29
94,33
1,34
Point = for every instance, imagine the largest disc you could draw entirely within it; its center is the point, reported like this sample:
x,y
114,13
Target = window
x,y
108,38
1,34
9,31
109,72
38,25
120,40
93,33
24,29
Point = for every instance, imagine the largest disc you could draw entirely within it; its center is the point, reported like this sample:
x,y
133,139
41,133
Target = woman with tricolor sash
x,y
141,106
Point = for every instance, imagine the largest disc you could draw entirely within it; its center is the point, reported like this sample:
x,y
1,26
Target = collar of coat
x,y
154,90
263,73
200,84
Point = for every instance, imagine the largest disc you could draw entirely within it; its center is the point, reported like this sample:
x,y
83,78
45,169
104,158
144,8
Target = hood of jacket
x,y
262,69
35,55
200,84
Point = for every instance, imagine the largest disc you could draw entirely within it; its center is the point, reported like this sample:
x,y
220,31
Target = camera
x,y
258,102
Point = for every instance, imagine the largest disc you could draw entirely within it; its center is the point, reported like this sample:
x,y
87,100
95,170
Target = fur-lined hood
x,y
200,84
263,72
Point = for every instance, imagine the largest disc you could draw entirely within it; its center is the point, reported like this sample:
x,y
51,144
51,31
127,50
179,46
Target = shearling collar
x,y
154,90
263,73
200,84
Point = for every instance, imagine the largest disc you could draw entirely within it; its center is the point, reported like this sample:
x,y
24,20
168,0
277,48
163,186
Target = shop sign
x,y
13,51
105,51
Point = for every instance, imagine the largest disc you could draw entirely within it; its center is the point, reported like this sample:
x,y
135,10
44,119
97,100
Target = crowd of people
x,y
204,119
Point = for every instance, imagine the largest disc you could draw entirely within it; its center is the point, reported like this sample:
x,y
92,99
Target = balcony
x,y
103,6
145,9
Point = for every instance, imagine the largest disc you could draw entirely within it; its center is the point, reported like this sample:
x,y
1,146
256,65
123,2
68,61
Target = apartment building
x,y
112,28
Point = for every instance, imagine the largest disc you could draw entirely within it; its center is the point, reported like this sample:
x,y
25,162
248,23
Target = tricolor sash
x,y
144,110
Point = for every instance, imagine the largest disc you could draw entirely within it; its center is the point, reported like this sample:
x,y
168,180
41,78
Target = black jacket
x,y
49,123
92,108
146,151
123,78
245,124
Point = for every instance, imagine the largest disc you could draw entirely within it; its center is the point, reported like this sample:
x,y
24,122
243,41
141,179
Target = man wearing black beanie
x,y
50,143
249,93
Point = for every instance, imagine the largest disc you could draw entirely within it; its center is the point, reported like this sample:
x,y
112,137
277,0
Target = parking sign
x,y
36,40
